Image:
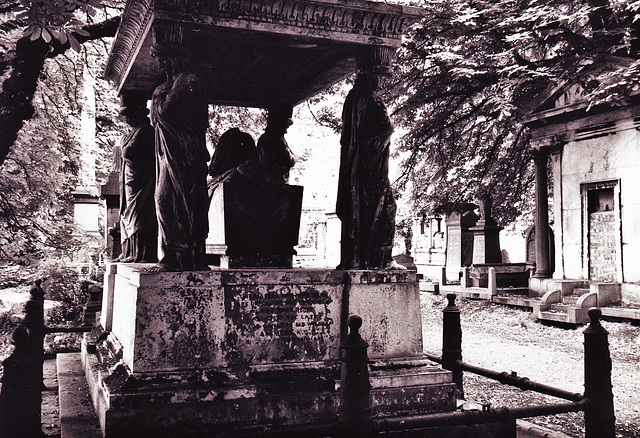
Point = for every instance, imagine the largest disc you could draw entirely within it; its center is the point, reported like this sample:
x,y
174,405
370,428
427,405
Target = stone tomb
x,y
246,350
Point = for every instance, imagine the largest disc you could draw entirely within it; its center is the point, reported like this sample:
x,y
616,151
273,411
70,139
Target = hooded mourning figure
x,y
138,222
179,114
234,148
365,203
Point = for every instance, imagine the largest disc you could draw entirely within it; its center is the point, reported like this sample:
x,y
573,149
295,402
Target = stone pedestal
x,y
459,242
110,192
244,350
486,242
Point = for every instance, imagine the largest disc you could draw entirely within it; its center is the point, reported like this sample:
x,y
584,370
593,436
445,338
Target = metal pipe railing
x,y
469,418
598,397
512,379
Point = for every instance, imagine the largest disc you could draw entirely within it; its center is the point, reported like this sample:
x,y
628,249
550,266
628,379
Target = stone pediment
x,y
564,112
569,96
257,52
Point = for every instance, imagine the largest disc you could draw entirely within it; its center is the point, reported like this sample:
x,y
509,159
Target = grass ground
x,y
508,339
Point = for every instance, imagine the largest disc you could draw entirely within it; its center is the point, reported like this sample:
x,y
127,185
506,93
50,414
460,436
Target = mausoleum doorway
x,y
602,225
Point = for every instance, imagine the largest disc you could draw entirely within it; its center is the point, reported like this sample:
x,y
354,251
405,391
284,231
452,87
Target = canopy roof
x,y
256,52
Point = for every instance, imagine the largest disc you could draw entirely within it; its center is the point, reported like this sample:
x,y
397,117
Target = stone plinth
x,y
253,348
486,242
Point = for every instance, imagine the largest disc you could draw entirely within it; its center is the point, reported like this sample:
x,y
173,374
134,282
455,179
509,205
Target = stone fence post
x,y
354,412
20,398
600,417
452,341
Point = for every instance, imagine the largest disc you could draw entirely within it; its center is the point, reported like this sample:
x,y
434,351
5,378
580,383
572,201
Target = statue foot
x,y
395,265
162,267
344,267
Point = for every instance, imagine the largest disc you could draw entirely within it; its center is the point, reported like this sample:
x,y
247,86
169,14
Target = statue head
x,y
280,117
135,115
172,58
134,108
170,48
374,66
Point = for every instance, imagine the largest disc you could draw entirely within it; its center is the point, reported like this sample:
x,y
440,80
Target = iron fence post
x,y
354,411
452,341
34,320
600,417
20,397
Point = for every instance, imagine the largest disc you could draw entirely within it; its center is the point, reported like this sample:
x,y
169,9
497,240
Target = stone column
x,y
540,157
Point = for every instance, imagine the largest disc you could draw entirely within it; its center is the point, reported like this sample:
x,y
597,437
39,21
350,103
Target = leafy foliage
x,y
62,284
36,210
468,72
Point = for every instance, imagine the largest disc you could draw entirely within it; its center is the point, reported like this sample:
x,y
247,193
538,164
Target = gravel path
x,y
508,339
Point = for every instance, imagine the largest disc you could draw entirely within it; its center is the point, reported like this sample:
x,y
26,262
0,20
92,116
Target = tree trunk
x,y
18,89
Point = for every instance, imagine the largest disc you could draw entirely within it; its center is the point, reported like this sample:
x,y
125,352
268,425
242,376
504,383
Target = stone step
x,y
513,290
580,291
570,300
553,316
560,307
77,417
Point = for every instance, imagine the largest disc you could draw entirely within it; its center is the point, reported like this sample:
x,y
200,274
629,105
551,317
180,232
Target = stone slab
x,y
525,429
77,417
620,312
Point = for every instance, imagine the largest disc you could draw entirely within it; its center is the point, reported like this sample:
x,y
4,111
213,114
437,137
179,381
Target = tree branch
x,y
18,89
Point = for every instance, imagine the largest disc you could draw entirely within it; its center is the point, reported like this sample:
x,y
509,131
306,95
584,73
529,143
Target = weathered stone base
x,y
247,350
257,398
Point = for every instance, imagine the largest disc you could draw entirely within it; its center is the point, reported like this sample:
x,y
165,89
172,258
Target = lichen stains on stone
x,y
194,280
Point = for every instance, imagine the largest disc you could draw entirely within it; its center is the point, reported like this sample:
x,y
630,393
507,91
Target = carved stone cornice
x,y
244,48
350,17
134,26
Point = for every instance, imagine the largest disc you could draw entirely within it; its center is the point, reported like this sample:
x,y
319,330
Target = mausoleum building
x,y
593,152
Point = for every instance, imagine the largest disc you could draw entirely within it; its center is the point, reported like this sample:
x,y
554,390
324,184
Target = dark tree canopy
x,y
40,106
32,32
468,72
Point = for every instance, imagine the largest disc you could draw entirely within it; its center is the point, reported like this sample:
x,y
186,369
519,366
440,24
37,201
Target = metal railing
x,y
596,402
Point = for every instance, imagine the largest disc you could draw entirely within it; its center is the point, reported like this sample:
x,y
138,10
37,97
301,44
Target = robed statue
x,y
261,211
138,222
273,151
365,203
179,113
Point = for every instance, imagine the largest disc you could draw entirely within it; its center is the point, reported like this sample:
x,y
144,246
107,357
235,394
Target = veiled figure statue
x,y
138,222
365,203
273,151
234,148
179,113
